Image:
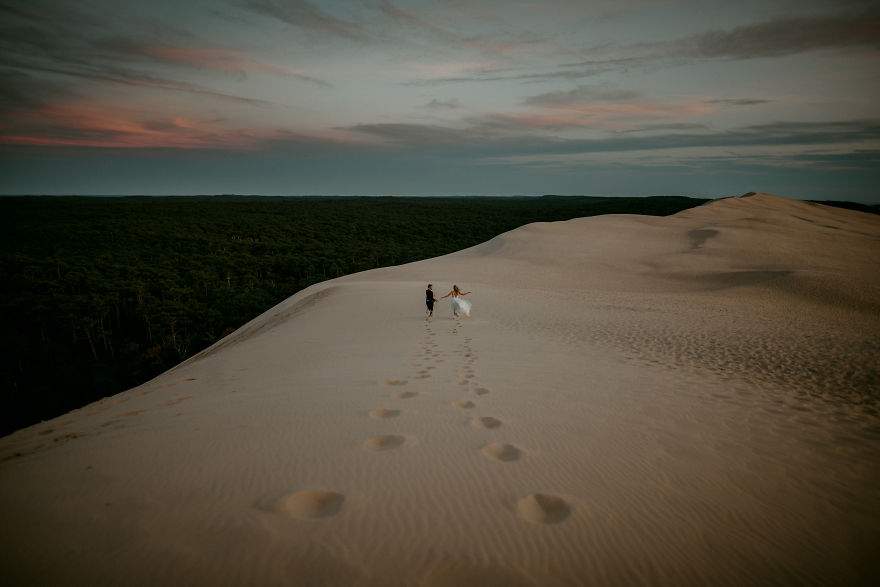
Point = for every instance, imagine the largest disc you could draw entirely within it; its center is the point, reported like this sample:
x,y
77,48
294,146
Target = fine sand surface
x,y
682,400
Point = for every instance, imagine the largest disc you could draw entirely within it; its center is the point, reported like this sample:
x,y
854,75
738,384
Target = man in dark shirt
x,y
429,301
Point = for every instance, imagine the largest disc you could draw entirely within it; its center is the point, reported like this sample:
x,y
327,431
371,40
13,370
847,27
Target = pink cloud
x,y
105,126
92,125
219,59
606,116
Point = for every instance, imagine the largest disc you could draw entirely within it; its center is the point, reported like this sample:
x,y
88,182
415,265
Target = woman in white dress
x,y
459,304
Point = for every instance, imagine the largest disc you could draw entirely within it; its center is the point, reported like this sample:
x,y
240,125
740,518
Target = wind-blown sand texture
x,y
681,400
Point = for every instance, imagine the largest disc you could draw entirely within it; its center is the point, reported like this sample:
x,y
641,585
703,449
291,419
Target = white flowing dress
x,y
461,306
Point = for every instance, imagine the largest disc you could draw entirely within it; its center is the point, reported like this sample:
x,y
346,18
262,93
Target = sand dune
x,y
689,399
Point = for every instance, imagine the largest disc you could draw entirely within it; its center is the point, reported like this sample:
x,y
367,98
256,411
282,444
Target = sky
x,y
441,97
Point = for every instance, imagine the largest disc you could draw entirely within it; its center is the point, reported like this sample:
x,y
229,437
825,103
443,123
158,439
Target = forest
x,y
100,294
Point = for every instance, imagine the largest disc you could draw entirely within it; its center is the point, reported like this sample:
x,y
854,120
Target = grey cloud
x,y
415,134
738,101
783,36
775,134
450,104
408,18
43,38
491,44
22,91
499,139
139,50
772,38
304,14
525,77
667,126
580,94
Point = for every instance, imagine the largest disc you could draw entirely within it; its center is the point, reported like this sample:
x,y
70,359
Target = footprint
x,y
463,382
469,376
464,404
501,452
311,504
540,508
384,442
384,413
407,394
486,422
395,381
481,391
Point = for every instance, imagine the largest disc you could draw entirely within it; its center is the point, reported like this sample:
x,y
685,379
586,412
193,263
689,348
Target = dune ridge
x,y
687,399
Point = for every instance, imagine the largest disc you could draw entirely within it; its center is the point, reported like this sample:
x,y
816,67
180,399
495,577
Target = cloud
x,y
504,136
667,126
490,44
305,15
55,46
590,107
20,90
125,76
782,36
772,38
579,95
738,101
410,19
103,125
83,124
492,75
213,58
415,134
451,104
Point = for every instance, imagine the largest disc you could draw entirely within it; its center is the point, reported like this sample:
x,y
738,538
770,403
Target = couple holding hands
x,y
459,304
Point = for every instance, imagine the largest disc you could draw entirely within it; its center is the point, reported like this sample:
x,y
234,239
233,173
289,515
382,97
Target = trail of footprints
x,y
537,508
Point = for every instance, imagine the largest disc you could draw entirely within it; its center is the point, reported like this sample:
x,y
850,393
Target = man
x,y
429,301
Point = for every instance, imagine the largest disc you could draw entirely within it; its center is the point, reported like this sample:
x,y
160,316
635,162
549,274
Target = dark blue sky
x,y
441,97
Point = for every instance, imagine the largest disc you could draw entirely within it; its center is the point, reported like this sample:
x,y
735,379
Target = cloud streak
x,y
773,38
451,104
739,101
53,47
580,95
214,58
504,137
306,15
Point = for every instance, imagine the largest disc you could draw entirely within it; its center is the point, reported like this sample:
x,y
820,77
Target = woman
x,y
459,304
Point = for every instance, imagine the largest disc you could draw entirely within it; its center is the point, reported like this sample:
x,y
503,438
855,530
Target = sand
x,y
681,400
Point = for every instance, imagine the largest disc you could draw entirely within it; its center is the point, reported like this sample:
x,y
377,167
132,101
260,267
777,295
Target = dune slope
x,y
687,399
